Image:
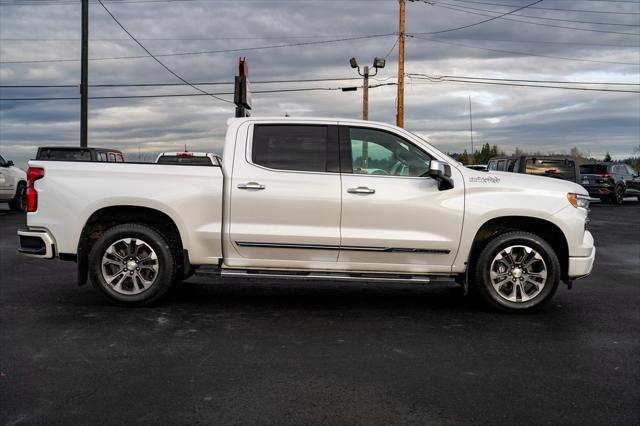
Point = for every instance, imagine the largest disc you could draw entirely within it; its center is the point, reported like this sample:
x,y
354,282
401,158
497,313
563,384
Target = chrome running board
x,y
327,276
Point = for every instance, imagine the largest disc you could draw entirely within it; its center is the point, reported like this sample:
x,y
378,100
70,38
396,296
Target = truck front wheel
x,y
517,272
132,264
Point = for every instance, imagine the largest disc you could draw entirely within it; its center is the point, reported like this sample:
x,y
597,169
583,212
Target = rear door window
x,y
556,168
308,148
593,169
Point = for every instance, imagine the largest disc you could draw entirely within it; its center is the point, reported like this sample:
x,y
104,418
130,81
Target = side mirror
x,y
441,171
9,163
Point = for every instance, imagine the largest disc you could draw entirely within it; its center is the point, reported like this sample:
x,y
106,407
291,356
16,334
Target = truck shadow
x,y
316,296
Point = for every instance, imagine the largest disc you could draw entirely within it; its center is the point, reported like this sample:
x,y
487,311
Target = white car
x,y
13,185
189,158
293,198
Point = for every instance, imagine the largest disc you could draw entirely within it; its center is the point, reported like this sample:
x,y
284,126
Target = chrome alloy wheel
x,y
518,273
129,266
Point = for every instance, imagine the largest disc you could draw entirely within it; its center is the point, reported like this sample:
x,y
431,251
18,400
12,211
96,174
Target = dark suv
x,y
541,165
610,182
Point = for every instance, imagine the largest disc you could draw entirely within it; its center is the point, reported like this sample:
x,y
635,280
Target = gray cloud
x,y
529,118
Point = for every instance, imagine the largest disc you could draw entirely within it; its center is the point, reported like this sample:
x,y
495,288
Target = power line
x,y
176,95
436,3
206,52
158,60
52,86
535,23
498,83
601,83
574,43
483,21
63,86
552,8
521,53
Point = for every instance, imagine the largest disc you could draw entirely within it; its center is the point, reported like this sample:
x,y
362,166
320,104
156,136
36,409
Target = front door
x,y
7,181
394,217
285,197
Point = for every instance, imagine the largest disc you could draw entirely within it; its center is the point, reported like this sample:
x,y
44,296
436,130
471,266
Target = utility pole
x,y
473,154
377,64
84,74
401,37
365,94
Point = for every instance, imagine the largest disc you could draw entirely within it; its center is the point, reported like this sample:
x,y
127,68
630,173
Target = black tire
x,y
161,279
618,196
19,202
482,280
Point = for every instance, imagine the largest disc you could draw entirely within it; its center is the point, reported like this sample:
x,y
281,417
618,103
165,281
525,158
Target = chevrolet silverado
x,y
311,199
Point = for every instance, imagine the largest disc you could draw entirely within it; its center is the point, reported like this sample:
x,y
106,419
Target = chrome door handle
x,y
361,190
250,185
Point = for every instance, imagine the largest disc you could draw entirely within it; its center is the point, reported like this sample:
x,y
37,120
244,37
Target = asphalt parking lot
x,y
245,352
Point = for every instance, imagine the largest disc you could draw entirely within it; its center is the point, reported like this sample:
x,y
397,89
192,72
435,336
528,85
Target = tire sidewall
x,y
166,263
619,190
19,202
486,257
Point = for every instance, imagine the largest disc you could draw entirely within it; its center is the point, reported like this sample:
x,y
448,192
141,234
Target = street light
x,y
377,64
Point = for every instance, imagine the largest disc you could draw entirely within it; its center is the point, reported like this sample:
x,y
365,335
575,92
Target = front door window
x,y
374,152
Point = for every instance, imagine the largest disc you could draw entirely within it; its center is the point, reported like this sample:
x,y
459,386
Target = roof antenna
x,y
185,148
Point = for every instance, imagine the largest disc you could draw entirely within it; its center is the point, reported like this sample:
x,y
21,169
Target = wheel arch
x,y
108,217
545,229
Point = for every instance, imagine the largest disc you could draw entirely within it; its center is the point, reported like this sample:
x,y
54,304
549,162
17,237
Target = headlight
x,y
578,200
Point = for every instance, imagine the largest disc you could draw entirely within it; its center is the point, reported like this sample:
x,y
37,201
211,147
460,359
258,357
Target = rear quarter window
x,y
184,160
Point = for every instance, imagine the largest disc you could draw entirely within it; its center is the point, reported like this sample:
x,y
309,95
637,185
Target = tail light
x,y
604,177
33,174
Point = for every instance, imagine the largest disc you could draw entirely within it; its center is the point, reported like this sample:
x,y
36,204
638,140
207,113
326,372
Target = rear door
x,y
394,217
285,196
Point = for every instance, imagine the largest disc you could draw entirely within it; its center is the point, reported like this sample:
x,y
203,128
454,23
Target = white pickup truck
x,y
311,199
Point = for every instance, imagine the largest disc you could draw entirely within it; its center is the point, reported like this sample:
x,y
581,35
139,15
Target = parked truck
x,y
311,199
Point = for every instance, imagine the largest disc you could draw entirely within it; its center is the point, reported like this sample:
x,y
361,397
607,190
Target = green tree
x,y
607,157
465,158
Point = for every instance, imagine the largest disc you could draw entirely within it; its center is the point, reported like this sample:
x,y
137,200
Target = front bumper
x,y
36,243
581,266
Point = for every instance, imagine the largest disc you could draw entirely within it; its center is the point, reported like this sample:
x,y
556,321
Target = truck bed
x,y
72,192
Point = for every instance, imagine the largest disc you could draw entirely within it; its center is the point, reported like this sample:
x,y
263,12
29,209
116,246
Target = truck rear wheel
x,y
517,272
132,264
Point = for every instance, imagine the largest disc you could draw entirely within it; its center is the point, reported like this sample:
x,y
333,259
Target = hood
x,y
520,182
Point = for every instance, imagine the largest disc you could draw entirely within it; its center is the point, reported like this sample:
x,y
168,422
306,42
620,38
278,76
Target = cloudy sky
x,y
573,41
